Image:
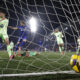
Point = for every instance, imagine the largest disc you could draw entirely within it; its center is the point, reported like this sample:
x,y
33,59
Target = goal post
x,y
37,74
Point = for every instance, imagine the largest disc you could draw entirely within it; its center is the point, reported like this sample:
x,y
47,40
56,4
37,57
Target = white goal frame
x,y
37,74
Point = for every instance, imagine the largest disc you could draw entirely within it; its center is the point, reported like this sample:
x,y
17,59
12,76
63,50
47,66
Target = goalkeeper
x,y
3,32
59,39
78,40
29,53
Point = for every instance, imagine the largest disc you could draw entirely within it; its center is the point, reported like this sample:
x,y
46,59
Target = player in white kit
x,y
3,32
59,39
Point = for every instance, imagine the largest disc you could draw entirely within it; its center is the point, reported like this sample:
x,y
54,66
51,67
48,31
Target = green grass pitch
x,y
45,61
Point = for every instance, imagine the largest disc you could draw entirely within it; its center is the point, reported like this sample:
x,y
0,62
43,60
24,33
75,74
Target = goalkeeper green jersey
x,y
31,53
3,25
78,42
58,35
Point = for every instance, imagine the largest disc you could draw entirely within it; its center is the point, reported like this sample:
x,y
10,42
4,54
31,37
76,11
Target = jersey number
x,y
1,26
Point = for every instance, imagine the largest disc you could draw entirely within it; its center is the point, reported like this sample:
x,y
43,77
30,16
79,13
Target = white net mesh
x,y
50,14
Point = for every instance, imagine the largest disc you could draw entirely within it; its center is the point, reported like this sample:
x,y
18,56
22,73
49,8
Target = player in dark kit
x,y
23,31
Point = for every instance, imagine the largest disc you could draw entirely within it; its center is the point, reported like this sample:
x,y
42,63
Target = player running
x,y
59,39
78,40
3,32
23,31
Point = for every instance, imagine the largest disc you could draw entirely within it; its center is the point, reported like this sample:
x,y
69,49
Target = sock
x,y
78,50
16,48
9,50
21,44
60,49
19,49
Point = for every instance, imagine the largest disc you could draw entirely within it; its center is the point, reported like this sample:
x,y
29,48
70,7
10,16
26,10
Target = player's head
x,y
27,53
22,23
26,49
2,14
56,30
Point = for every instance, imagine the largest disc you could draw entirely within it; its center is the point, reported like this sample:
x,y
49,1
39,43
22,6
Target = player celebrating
x,y
78,40
3,32
59,39
22,36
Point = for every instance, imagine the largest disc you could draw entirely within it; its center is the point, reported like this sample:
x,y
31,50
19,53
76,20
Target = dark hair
x,y
22,22
26,49
2,11
57,28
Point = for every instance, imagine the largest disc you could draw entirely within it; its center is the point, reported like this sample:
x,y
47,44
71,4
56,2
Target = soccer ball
x,y
75,62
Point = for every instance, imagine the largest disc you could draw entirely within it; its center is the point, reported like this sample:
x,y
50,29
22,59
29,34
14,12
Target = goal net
x,y
45,16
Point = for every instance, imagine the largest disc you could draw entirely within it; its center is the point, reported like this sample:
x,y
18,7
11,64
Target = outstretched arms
x,y
62,35
14,28
53,32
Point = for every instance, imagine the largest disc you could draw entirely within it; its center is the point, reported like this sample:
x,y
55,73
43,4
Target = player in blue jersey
x,y
23,31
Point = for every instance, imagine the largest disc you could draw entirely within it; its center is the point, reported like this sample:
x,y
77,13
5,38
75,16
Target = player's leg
x,y
17,46
8,46
20,46
59,45
2,38
62,45
78,49
24,38
23,41
62,48
6,40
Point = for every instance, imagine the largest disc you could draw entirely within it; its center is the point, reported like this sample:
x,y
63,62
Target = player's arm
x,y
53,33
78,41
14,28
62,35
6,24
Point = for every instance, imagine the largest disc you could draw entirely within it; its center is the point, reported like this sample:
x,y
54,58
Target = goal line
x,y
37,74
